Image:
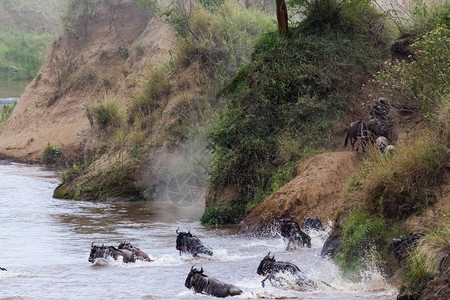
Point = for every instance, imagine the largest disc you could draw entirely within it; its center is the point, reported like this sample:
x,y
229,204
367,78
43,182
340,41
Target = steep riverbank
x,y
84,67
131,107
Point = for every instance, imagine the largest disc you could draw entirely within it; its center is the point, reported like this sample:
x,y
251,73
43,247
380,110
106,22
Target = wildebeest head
x,y
193,277
96,252
266,264
181,240
286,225
124,245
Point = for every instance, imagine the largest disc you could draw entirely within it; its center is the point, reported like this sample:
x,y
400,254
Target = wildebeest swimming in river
x,y
186,242
2,269
291,230
138,253
357,131
209,285
104,252
283,274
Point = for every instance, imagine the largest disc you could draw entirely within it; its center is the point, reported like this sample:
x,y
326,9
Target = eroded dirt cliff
x,y
318,190
107,52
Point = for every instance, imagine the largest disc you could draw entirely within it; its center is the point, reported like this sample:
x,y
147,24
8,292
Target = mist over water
x,y
46,244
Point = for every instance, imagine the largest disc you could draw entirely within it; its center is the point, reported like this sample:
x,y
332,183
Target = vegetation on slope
x,y
389,189
281,105
211,44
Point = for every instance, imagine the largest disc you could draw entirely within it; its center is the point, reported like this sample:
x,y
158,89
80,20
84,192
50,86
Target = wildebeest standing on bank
x,y
138,253
357,131
110,251
271,268
186,242
293,232
209,285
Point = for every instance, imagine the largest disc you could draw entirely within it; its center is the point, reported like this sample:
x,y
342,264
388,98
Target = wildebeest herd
x,y
376,131
187,243
280,274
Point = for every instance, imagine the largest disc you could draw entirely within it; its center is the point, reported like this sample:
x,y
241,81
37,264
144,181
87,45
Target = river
x,y
46,244
10,91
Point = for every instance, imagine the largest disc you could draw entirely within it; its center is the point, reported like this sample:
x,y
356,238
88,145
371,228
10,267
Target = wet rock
x,y
333,243
314,224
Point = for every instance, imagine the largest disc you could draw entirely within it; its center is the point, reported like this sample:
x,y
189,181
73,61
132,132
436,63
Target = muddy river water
x,y
46,244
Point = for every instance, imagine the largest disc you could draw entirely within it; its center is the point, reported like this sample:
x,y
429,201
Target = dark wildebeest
x,y
138,253
104,252
271,268
291,230
186,242
2,269
314,224
357,131
209,285
402,247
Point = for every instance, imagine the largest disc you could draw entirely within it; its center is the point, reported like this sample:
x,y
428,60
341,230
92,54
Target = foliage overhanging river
x,y
46,244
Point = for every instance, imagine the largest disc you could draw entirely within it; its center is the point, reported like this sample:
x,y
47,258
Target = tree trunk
x,y
282,18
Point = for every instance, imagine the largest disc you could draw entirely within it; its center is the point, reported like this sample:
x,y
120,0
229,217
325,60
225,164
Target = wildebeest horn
x,y
177,230
92,245
201,270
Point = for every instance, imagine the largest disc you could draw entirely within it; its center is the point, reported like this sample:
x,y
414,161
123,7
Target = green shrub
x,y
347,15
51,154
106,113
221,213
6,112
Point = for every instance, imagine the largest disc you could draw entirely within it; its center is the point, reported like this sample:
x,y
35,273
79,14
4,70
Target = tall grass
x,y
398,185
428,260
106,113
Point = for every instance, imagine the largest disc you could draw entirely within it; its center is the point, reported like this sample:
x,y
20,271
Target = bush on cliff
x,y
289,94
